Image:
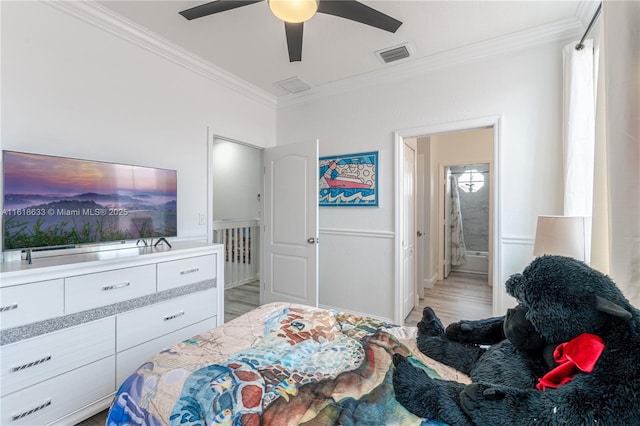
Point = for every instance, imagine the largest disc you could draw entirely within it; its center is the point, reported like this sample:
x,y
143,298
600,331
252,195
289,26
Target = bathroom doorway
x,y
443,158
469,219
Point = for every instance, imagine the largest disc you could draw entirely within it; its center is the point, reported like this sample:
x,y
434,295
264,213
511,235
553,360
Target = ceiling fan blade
x,y
215,7
294,40
356,11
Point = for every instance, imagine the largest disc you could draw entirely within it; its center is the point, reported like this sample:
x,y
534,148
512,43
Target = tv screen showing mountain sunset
x,y
54,201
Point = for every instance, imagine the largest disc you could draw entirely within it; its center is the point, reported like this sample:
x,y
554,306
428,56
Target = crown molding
x,y
94,14
98,16
562,30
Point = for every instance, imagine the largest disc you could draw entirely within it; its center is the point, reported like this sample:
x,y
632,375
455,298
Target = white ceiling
x,y
250,43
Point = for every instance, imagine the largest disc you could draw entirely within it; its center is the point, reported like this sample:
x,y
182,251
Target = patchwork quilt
x,y
280,364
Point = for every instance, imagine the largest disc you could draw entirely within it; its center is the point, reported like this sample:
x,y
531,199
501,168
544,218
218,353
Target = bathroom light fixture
x,y
293,11
471,180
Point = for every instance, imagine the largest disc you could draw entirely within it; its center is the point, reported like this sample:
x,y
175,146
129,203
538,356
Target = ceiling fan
x,y
295,12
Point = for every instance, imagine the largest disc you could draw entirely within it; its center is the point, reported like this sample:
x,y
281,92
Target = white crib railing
x,y
241,248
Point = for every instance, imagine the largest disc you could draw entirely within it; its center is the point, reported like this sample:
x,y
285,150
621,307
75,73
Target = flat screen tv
x,y
54,202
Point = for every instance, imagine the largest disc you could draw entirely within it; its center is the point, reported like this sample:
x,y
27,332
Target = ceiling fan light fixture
x,y
293,11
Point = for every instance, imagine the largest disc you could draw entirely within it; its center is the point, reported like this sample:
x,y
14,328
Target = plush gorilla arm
x,y
459,346
433,342
490,404
426,397
504,362
481,332
575,403
513,326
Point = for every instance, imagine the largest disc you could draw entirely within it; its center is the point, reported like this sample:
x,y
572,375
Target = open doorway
x,y
235,177
469,219
462,289
263,205
446,156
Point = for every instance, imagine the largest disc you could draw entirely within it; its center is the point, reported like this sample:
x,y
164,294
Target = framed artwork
x,y
349,180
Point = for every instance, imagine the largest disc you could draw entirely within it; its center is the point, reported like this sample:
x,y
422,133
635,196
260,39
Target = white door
x,y
409,232
290,272
446,223
421,226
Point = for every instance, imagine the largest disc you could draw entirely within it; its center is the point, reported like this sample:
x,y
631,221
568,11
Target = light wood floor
x,y
460,296
241,299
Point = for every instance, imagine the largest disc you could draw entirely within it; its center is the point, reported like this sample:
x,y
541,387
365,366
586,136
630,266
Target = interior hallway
x,y
460,296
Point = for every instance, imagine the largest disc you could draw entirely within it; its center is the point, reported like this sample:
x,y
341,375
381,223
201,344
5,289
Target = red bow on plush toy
x,y
578,354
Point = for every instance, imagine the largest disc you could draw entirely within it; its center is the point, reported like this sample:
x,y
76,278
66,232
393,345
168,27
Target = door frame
x,y
211,137
443,204
495,268
412,298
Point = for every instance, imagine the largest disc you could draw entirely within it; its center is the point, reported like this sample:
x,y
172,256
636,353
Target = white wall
x,y
524,88
237,180
72,89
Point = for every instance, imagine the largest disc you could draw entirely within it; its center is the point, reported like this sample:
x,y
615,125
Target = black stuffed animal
x,y
592,378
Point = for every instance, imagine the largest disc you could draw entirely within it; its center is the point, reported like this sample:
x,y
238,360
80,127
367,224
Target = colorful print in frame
x,y
349,180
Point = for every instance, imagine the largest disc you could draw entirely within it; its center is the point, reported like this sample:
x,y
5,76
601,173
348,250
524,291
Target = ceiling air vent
x,y
293,85
394,54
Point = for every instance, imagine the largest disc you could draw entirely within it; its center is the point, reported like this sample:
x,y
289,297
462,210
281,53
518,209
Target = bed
x,y
280,364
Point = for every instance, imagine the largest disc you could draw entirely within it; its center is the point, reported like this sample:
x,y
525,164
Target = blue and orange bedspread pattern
x,y
281,364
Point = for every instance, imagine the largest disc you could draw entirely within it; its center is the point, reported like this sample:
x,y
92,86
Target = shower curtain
x,y
458,249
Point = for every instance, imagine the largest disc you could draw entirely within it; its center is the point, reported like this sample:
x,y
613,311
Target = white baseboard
x,y
430,282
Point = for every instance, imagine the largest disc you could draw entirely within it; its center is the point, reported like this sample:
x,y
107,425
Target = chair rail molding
x,y
357,233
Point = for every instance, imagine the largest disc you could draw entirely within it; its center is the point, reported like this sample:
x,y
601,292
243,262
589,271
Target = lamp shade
x,y
561,235
293,11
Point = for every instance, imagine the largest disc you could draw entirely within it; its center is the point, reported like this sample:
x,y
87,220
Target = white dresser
x,y
73,327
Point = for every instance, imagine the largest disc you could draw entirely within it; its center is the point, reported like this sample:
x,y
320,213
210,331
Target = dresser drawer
x,y
28,303
182,272
52,399
90,291
127,362
34,360
144,324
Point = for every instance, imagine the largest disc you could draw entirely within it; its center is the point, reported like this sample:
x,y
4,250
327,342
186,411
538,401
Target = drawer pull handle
x,y
15,417
189,271
31,364
174,316
9,307
115,286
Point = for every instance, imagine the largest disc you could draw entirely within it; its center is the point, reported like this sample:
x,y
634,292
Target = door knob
x,y
420,234
312,240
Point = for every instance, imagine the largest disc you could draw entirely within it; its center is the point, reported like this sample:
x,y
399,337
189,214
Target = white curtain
x,y
458,248
600,237
619,133
579,132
